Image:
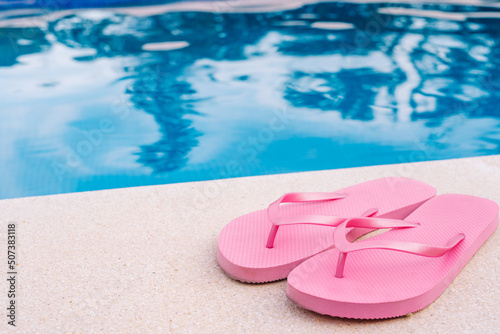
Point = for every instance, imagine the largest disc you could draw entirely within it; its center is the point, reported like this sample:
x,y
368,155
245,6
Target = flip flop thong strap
x,y
275,217
345,247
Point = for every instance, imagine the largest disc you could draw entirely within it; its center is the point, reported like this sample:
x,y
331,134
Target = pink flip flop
x,y
400,271
252,249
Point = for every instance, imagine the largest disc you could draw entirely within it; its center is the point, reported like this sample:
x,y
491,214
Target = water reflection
x,y
168,101
431,79
15,42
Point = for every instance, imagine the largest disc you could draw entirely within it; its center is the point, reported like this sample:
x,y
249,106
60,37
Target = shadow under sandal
x,y
266,245
400,271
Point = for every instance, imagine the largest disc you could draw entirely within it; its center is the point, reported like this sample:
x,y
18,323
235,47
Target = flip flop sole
x,y
385,284
242,251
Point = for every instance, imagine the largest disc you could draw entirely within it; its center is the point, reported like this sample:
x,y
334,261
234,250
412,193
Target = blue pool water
x,y
108,98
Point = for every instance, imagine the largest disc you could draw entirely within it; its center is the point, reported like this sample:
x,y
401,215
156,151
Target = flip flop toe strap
x,y
344,246
277,219
274,216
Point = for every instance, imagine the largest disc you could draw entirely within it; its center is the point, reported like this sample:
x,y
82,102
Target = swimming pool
x,y
108,98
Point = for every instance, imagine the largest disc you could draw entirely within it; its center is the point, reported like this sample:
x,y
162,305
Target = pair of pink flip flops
x,y
310,242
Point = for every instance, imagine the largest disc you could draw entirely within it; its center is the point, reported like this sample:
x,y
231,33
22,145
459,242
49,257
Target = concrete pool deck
x,y
142,259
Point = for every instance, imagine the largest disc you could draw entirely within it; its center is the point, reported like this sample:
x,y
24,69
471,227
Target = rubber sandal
x,y
397,272
252,249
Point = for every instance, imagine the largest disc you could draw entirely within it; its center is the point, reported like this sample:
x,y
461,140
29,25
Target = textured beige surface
x,y
143,259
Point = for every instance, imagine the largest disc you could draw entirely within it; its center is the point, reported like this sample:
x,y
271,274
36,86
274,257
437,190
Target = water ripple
x,y
102,98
